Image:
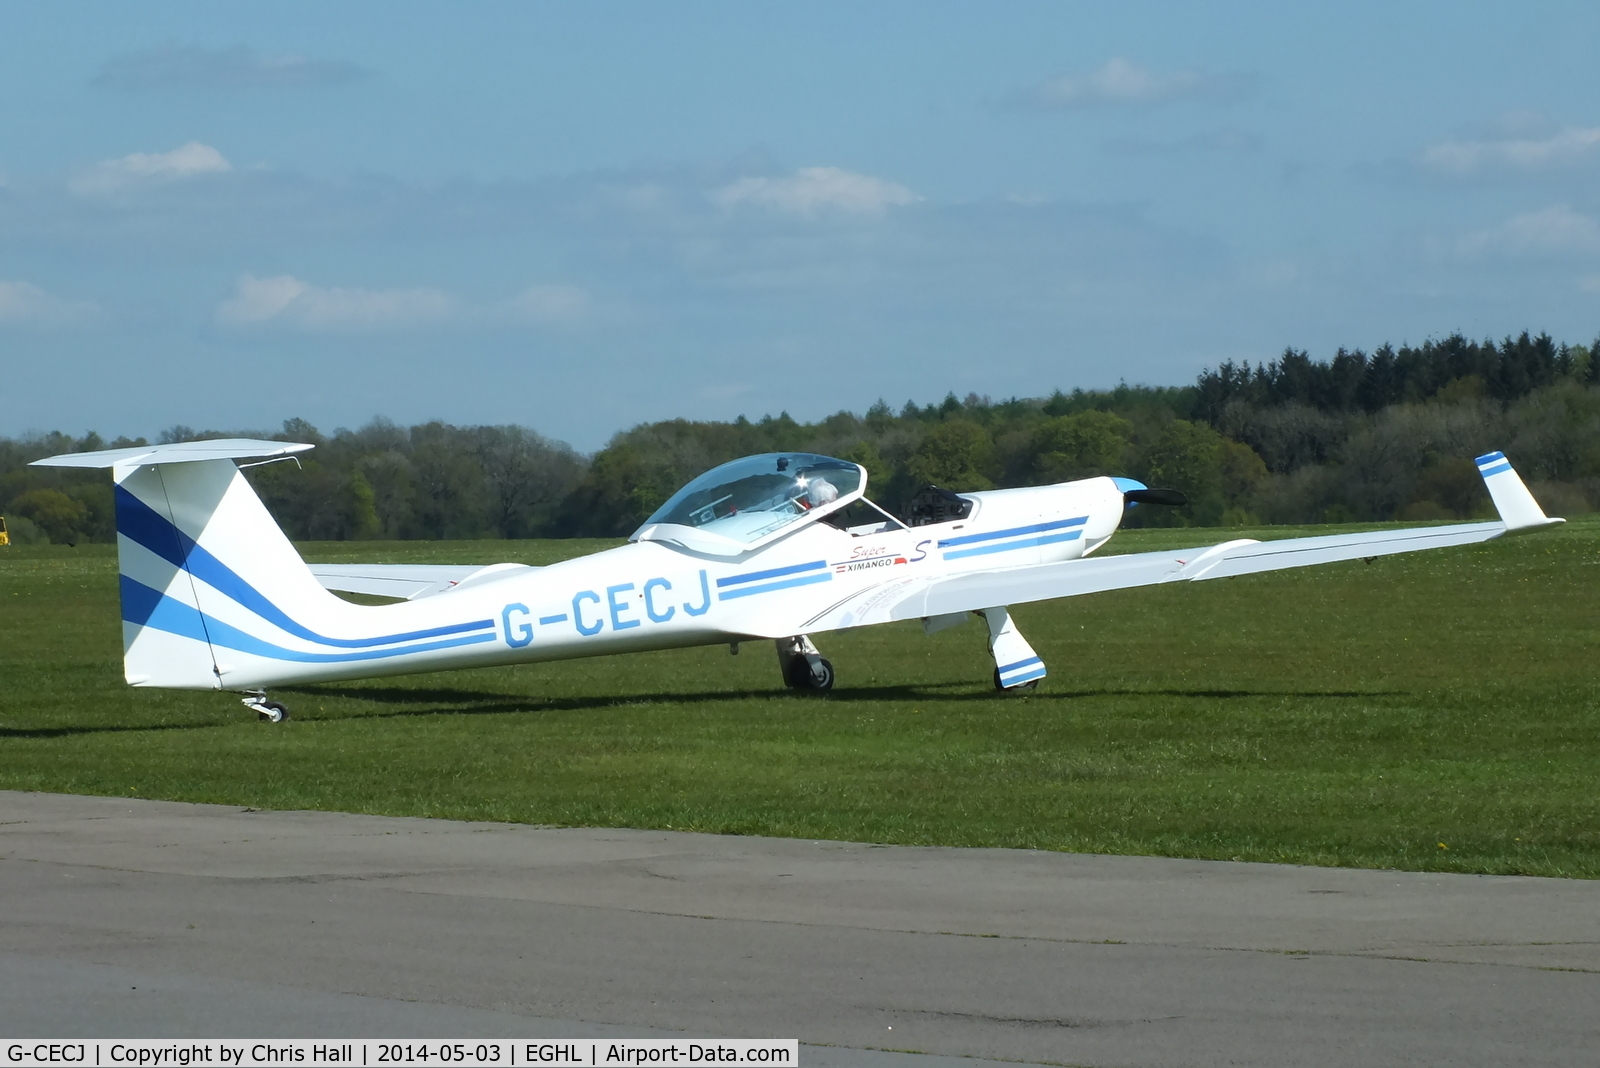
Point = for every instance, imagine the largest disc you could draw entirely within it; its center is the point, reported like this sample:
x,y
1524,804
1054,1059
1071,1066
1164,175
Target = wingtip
x,y
1518,510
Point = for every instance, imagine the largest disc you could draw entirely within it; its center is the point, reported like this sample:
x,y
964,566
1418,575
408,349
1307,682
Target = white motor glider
x,y
778,546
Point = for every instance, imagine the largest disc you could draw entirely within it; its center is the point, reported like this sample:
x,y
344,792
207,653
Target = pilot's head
x,y
820,491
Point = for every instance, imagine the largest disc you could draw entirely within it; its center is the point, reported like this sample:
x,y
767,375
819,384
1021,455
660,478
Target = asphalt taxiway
x,y
123,918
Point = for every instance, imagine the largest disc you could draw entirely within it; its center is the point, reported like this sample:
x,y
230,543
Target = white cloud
x,y
1122,83
292,302
813,189
192,160
1552,231
255,300
284,300
1563,148
549,304
172,66
23,303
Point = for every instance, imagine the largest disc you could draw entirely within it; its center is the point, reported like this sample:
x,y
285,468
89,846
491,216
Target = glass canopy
x,y
748,500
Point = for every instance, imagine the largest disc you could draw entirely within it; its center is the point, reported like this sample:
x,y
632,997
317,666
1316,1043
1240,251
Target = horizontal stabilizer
x,y
408,581
177,453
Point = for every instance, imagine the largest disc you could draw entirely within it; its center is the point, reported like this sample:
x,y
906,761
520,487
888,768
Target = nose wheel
x,y
266,711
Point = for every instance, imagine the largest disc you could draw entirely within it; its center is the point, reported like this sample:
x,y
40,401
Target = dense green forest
x,y
1385,435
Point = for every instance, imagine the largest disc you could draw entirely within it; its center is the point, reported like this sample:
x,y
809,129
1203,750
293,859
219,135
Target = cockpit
x,y
748,502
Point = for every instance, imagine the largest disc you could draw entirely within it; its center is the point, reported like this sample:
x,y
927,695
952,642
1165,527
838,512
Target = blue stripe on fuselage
x,y
1025,543
803,580
776,572
146,607
968,539
142,524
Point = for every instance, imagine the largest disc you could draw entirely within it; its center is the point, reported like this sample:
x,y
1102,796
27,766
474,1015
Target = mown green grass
x,y
1345,715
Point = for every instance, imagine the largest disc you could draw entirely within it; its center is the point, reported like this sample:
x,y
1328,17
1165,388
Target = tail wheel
x,y
1031,684
271,712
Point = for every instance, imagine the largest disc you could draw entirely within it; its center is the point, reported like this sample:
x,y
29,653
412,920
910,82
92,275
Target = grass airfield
x,y
1436,711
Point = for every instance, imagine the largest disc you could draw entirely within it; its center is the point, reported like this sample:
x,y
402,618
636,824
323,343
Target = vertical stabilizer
x,y
182,510
202,565
215,597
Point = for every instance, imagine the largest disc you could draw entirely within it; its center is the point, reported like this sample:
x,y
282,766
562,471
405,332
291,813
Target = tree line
x,y
1353,381
1390,435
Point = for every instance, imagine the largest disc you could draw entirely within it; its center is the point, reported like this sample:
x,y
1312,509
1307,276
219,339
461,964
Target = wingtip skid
x,y
1517,508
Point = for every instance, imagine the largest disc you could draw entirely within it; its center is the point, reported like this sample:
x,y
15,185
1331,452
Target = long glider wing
x,y
1073,578
1519,512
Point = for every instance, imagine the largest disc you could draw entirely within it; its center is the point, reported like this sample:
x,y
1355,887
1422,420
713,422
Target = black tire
x,y
272,712
799,675
796,673
1031,684
820,678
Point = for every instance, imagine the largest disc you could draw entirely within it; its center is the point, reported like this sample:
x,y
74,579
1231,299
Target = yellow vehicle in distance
x,y
5,539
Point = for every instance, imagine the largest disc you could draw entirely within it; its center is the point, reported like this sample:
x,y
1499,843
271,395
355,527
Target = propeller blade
x,y
1170,497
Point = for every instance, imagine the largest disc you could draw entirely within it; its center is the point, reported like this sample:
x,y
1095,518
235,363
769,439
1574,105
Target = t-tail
x,y
211,588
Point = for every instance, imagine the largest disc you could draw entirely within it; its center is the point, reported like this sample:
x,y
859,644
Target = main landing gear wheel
x,y
810,676
803,668
1031,684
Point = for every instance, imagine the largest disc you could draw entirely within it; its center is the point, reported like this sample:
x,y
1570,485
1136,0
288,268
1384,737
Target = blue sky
x,y
579,217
